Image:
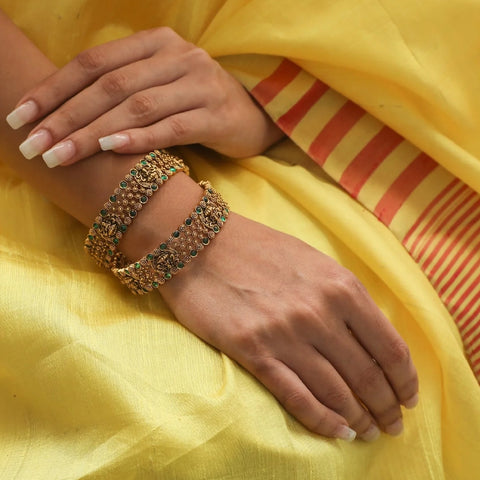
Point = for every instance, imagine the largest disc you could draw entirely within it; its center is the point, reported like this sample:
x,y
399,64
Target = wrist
x,y
161,216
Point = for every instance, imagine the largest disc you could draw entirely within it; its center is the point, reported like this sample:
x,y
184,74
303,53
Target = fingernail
x,y
395,429
59,154
35,144
111,142
371,434
411,402
346,433
23,114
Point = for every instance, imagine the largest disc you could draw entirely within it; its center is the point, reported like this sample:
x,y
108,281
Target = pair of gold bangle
x,y
123,206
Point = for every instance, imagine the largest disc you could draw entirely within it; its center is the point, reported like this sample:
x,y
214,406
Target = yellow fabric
x,y
97,384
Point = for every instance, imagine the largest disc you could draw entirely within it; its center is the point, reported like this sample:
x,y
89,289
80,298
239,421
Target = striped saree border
x,y
434,215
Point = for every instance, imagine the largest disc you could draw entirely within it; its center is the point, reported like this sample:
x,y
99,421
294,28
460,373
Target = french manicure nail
x,y
346,433
59,153
35,144
117,140
371,434
23,114
395,429
411,402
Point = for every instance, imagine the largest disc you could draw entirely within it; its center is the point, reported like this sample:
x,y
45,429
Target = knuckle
x,y
342,285
250,343
141,105
337,399
147,137
91,60
398,354
67,118
199,56
165,32
178,128
295,401
371,378
260,365
114,84
164,35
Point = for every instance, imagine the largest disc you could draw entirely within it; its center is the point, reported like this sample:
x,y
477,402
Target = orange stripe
x,y
445,238
367,161
472,332
474,351
446,270
471,320
288,121
469,331
403,186
475,337
266,90
425,213
433,237
334,131
465,278
465,294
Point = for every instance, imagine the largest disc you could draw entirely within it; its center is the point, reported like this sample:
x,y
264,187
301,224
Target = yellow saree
x,y
98,389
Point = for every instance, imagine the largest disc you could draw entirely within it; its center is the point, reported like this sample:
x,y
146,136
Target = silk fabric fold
x,y
96,384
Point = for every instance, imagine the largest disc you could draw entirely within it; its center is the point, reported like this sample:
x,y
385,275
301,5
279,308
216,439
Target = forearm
x,y
80,189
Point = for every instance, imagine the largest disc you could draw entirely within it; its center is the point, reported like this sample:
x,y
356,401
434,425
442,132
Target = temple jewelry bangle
x,y
132,193
184,244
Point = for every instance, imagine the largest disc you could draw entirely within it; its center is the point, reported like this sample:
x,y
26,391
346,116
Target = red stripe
x,y
474,351
475,365
403,186
267,89
473,315
334,131
432,237
430,207
446,271
461,268
465,294
475,338
470,332
288,121
367,161
446,236
472,321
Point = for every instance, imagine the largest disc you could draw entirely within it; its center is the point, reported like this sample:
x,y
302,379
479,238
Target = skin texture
x,y
150,89
313,350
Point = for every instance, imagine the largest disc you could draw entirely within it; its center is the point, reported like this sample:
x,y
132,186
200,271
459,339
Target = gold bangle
x,y
132,193
195,233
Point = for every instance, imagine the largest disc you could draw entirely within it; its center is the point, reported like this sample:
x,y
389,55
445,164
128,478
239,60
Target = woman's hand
x,y
303,325
150,90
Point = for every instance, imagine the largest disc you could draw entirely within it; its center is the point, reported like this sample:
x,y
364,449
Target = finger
x,y
101,98
364,376
86,68
177,129
326,384
392,353
300,402
185,128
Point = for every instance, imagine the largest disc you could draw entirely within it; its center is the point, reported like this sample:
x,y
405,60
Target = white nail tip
x,y
347,434
35,144
59,154
111,142
22,114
